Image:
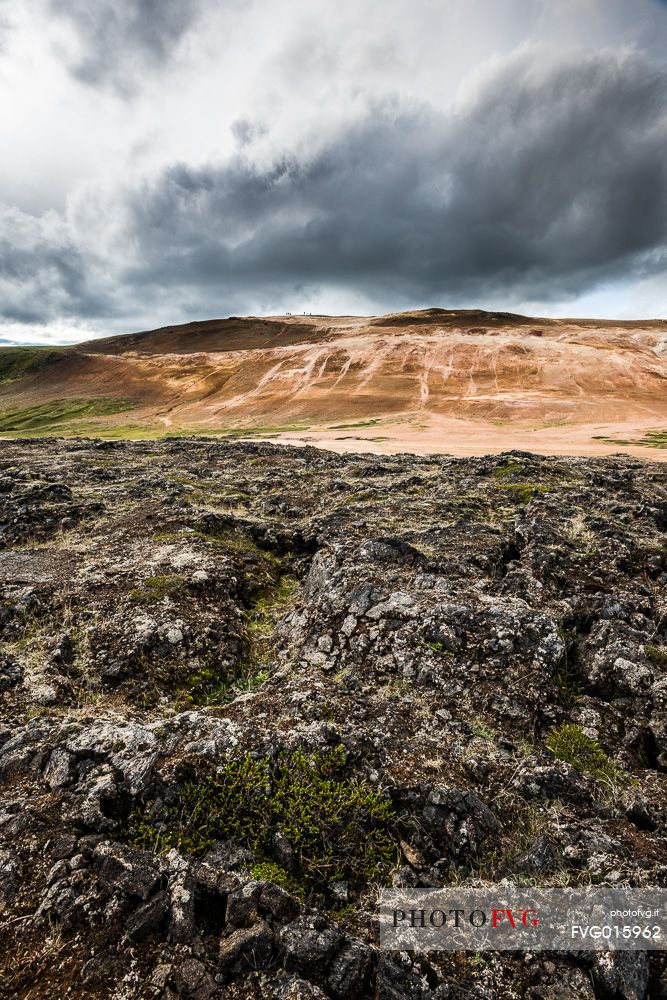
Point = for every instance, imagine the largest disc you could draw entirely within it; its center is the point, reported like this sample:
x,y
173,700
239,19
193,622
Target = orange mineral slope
x,y
464,382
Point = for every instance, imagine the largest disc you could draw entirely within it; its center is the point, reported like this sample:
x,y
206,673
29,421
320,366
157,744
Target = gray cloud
x,y
119,40
550,179
4,23
43,274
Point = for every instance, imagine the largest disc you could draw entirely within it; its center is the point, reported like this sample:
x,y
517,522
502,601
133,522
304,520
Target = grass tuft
x,y
657,655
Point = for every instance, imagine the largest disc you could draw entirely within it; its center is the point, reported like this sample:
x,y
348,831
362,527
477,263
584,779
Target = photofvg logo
x,y
502,918
457,917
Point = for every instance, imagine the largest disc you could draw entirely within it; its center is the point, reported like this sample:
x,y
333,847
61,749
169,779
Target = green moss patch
x,y
523,492
570,744
337,827
50,416
512,468
360,423
253,432
17,363
651,439
156,588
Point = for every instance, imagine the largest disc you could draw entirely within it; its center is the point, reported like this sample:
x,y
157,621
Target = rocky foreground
x,y
243,686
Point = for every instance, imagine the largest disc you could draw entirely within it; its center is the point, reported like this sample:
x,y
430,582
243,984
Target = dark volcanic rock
x,y
170,608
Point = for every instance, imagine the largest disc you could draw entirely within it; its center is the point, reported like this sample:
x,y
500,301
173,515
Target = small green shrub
x,y
568,687
252,682
228,802
267,871
484,732
570,744
337,827
439,647
657,655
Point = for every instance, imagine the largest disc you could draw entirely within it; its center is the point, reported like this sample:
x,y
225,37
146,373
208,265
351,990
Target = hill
x,y
464,381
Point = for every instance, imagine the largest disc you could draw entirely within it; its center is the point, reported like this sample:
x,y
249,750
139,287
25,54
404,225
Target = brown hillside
x,y
464,381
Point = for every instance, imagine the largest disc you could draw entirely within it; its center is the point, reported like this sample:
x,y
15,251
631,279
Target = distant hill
x,y
434,379
17,343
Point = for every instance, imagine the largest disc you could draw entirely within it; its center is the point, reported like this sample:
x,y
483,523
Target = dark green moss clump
x,y
336,826
156,588
657,655
570,744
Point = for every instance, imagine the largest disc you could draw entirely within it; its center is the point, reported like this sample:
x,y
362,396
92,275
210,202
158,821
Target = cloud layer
x,y
115,42
525,187
540,176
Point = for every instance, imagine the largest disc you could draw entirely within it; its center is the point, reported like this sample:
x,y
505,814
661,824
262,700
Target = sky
x,y
164,161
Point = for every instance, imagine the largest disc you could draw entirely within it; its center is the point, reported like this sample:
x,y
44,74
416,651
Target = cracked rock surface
x,y
444,634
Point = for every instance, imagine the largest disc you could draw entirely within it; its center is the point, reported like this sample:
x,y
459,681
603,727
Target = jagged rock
x,y
276,904
119,867
181,898
245,949
149,917
11,673
97,793
9,876
350,971
59,770
539,859
299,989
310,944
559,781
188,977
622,973
63,652
456,821
397,979
243,905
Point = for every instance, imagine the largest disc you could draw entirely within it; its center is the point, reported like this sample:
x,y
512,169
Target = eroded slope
x,y
435,380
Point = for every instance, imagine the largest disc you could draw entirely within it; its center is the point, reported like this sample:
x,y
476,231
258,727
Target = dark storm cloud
x,y
552,178
118,40
549,179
